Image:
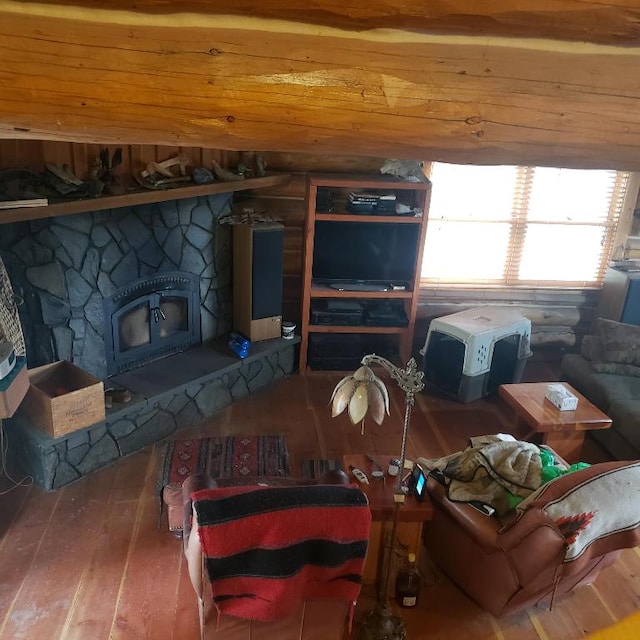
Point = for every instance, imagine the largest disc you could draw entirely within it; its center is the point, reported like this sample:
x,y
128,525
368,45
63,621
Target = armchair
x,y
560,537
280,561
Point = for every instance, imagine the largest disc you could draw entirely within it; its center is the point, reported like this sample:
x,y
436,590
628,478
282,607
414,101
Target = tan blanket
x,y
490,469
597,509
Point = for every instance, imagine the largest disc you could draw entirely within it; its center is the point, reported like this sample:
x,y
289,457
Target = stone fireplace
x,y
140,297
64,268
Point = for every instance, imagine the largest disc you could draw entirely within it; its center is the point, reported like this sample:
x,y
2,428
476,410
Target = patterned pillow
x,y
617,368
593,350
620,341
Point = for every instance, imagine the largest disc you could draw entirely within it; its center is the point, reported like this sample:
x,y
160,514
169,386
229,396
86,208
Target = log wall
x,y
559,319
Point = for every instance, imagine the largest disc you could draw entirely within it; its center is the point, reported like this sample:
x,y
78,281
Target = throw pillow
x,y
620,341
593,350
617,368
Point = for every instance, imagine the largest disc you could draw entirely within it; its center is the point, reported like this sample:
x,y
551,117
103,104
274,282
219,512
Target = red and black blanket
x,y
269,548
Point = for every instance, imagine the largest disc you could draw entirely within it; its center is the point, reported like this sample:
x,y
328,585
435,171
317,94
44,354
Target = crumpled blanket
x,y
489,470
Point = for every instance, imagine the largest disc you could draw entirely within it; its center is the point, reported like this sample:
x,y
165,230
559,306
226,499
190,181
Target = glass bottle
x,y
408,583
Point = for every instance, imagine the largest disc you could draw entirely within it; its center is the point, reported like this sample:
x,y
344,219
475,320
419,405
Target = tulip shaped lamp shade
x,y
360,393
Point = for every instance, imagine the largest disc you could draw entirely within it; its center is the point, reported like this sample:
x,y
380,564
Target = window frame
x,y
616,229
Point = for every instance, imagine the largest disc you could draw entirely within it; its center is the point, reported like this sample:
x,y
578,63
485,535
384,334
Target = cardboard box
x,y
13,388
63,398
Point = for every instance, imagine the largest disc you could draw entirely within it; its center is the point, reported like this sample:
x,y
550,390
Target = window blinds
x,y
521,226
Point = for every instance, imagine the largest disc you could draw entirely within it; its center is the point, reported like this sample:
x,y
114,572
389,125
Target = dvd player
x,y
360,286
337,312
382,313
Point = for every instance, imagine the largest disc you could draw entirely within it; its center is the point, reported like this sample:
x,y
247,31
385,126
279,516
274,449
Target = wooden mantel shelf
x,y
139,197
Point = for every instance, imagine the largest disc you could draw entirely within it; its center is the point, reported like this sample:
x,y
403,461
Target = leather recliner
x,y
547,547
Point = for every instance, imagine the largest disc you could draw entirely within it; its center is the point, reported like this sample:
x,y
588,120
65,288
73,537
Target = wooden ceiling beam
x,y
236,83
601,21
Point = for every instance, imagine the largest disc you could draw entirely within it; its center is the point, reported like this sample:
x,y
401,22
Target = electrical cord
x,y
27,481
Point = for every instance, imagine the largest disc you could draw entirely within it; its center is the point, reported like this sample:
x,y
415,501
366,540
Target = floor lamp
x,y
360,393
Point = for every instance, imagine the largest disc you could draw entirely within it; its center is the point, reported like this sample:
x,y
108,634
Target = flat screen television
x,y
376,252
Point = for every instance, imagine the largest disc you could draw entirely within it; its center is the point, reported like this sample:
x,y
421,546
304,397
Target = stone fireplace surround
x,y
63,267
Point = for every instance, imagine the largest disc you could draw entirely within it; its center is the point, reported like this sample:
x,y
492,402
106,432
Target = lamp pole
x,y
380,623
411,381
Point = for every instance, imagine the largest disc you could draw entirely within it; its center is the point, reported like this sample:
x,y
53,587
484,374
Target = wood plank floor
x,y
89,562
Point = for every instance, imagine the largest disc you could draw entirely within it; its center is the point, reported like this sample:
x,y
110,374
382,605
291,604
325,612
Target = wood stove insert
x,y
151,318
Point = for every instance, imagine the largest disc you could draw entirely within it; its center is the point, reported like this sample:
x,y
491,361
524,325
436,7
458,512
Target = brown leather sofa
x,y
326,619
531,555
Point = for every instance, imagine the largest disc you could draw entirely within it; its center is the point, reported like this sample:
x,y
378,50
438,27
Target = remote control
x,y
482,507
359,475
377,472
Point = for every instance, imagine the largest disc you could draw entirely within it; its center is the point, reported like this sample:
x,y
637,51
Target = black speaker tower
x,y
257,279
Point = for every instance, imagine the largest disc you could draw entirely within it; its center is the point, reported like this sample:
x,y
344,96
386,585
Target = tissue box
x,y
561,398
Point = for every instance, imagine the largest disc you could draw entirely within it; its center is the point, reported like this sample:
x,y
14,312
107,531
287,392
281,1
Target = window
x,y
521,226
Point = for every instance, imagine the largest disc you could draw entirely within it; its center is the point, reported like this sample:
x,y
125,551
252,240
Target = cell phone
x,y
419,483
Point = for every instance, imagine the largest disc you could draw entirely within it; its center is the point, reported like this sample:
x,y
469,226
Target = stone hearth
x,y
168,395
64,267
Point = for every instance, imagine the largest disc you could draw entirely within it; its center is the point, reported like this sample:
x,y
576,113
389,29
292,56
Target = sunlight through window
x,y
533,226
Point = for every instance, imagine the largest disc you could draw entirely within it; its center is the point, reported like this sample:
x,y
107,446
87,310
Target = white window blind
x,y
521,226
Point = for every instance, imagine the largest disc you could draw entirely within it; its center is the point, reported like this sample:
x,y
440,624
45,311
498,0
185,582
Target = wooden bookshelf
x,y
415,195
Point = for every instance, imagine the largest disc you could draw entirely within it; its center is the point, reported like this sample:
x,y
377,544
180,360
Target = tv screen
x,y
368,251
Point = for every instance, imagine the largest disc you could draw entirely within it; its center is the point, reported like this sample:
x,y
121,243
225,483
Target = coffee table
x,y
411,516
563,431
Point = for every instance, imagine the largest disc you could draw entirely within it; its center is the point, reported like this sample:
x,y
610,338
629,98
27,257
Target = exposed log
x,y
552,336
550,325
477,296
236,83
612,21
540,315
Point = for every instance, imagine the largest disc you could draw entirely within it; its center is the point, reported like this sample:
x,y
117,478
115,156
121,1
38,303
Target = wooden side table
x,y
411,516
563,431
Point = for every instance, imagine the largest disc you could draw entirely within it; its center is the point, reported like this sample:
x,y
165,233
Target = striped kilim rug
x,y
232,457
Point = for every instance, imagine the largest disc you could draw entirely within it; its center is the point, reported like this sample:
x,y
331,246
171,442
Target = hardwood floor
x,y
89,562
